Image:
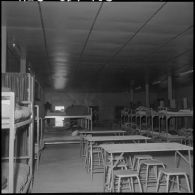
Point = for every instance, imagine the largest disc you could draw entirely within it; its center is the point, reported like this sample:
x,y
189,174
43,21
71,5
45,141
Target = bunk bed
x,y
142,113
154,115
38,134
132,116
75,112
17,117
167,115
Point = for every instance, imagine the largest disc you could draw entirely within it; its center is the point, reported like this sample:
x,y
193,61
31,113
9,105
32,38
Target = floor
x,y
62,170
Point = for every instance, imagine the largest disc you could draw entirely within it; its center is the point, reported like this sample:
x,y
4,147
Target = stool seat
x,y
173,171
142,156
123,173
151,162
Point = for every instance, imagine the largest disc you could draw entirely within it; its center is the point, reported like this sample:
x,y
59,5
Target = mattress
x,y
141,112
21,175
21,112
65,114
179,113
172,137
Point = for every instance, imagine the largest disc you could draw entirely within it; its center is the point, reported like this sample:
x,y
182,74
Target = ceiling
x,y
102,47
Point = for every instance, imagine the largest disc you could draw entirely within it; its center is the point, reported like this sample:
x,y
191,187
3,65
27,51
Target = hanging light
x,y
185,73
155,82
138,88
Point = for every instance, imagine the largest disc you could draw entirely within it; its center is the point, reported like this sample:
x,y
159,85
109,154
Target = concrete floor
x,y
62,170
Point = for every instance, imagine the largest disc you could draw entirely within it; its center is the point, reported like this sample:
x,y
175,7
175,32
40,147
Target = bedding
x,y
21,174
179,113
21,112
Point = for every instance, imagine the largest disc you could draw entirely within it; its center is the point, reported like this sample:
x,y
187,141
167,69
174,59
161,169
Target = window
x,y
59,108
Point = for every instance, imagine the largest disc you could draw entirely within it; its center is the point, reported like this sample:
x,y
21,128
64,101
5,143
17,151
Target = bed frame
x,y
39,134
88,124
12,126
167,115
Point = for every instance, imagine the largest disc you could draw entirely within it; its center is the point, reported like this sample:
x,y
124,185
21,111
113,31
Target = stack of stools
x,y
128,174
97,164
125,178
145,170
169,174
107,170
138,158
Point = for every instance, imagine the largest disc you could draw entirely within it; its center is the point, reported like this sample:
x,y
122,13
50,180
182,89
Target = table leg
x,y
191,171
91,154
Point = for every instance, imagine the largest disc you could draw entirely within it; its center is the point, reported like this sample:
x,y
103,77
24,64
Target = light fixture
x,y
185,73
138,88
16,48
155,82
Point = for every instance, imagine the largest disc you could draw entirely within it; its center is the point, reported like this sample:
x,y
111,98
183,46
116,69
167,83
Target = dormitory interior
x,y
96,97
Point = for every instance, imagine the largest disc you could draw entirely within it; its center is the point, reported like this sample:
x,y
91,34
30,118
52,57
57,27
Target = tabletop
x,y
144,147
116,138
102,132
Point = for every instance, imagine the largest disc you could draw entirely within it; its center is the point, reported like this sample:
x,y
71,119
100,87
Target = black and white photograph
x,y
97,96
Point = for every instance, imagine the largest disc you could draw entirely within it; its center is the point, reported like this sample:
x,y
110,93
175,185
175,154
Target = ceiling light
x,y
155,82
138,88
185,73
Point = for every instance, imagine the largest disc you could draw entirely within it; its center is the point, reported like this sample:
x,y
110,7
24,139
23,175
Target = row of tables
x,y
118,148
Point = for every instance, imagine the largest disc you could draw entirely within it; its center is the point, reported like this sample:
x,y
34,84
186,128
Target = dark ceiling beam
x,y
170,40
141,27
44,33
90,31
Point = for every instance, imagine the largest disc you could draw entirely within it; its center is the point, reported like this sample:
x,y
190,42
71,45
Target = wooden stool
x,y
174,172
151,163
129,174
97,159
138,159
108,170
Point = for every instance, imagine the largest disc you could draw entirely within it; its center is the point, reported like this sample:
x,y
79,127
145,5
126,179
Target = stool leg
x,y
134,161
187,182
139,183
158,181
138,164
130,163
147,175
132,185
119,182
177,178
167,184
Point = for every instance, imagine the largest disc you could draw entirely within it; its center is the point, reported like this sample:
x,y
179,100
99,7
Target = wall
x,y
185,91
105,101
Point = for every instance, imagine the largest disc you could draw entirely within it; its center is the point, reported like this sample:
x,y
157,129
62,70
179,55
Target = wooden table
x,y
90,141
105,132
147,147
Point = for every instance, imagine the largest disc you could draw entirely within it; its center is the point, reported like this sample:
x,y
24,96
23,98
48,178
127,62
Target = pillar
x,y
147,95
23,64
3,48
131,94
169,87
